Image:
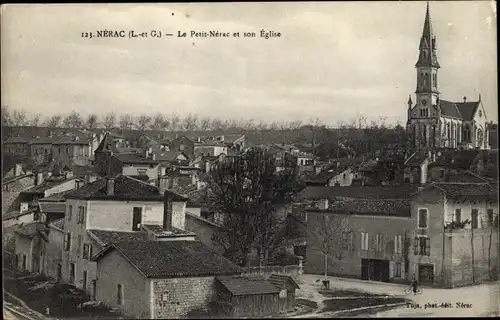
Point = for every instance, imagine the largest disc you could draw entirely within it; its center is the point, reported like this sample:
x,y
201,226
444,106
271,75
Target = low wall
x,y
294,271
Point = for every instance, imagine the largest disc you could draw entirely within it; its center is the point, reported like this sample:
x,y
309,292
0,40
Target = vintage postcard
x,y
250,160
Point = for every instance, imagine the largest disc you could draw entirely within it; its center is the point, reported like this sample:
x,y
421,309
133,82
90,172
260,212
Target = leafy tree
x,y
109,121
247,191
73,120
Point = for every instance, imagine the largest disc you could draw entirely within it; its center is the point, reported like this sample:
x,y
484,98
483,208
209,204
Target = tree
x,y
91,122
143,122
247,191
35,121
19,118
159,122
126,122
174,121
190,122
109,121
53,122
6,116
73,120
330,235
205,123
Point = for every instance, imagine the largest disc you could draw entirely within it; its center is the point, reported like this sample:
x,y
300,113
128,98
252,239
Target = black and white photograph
x,y
250,160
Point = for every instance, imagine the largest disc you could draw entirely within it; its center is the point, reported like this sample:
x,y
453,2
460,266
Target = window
x,y
458,215
422,246
67,242
70,211
79,245
182,147
475,218
87,251
364,241
142,172
398,244
72,273
36,216
379,242
119,295
59,271
84,280
397,270
344,240
351,241
422,218
81,215
441,173
490,215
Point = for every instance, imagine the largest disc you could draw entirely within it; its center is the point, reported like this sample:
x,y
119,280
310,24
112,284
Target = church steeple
x,y
427,56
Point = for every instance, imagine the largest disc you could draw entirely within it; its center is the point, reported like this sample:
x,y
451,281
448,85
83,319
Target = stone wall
x,y
175,298
294,271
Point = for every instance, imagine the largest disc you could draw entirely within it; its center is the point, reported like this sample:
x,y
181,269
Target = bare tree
x,y
53,122
73,120
205,123
217,124
174,121
91,122
142,122
294,125
126,122
249,125
331,235
6,116
109,121
190,122
35,121
19,118
247,191
262,126
159,122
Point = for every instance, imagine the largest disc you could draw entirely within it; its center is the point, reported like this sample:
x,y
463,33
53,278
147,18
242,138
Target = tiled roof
x,y
16,140
459,159
125,188
449,109
390,207
358,192
16,214
172,259
370,165
416,159
106,238
48,183
280,281
58,223
468,189
52,207
158,231
168,155
134,159
461,176
230,138
56,197
72,140
241,285
31,230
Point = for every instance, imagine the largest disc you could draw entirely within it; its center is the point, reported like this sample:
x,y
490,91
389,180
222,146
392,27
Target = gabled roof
x,y
52,207
468,109
49,183
168,155
172,259
247,285
486,191
130,158
358,192
106,238
106,143
31,230
17,213
125,189
280,281
382,207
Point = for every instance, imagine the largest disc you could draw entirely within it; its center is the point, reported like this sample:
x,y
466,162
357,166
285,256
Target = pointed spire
x,y
427,47
479,97
409,100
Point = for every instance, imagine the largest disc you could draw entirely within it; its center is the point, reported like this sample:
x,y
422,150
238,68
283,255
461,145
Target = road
x,y
478,300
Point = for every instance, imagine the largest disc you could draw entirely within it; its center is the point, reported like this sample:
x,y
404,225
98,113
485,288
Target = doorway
x,y
426,274
375,270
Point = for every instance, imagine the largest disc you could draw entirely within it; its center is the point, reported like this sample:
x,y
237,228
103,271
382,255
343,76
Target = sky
x,y
333,61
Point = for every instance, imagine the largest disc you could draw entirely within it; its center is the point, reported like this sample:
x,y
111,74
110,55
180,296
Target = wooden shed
x,y
250,296
287,287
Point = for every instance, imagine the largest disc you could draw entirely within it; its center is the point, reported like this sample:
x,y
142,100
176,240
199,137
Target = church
x,y
437,123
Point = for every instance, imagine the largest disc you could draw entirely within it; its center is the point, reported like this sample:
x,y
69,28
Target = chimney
x,y
18,169
465,99
110,187
167,212
338,164
147,153
39,178
153,156
323,204
317,169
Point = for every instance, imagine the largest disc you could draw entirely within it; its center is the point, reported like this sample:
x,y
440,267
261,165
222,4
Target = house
x,y
159,279
75,150
349,226
242,296
210,148
340,173
416,167
29,240
41,150
382,171
287,294
53,207
51,251
114,204
184,144
234,142
454,234
137,165
17,146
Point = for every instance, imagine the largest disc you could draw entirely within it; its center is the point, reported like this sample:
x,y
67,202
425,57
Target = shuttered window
x,y
422,246
422,218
